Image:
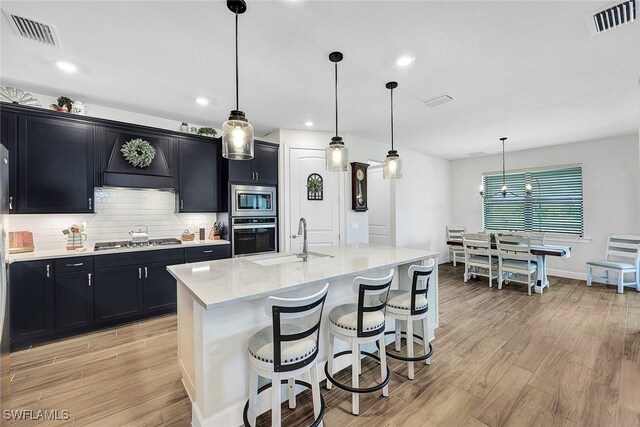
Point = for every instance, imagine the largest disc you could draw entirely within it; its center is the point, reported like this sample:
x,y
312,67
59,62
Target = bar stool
x,y
285,351
361,323
411,306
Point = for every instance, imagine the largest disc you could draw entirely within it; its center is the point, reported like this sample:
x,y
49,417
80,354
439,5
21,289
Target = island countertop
x,y
223,282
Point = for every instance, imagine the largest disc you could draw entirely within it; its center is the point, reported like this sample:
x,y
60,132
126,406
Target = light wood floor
x,y
568,357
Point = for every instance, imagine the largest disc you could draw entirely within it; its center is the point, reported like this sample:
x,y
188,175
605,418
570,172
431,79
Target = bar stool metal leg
x,y
425,341
383,365
330,360
398,335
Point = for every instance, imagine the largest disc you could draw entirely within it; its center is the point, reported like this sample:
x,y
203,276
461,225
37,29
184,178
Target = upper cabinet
x,y
262,169
55,165
199,175
9,139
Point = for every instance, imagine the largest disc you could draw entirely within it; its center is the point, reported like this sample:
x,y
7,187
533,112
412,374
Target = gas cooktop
x,y
103,246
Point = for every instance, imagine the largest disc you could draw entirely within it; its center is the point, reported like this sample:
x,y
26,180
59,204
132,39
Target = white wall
x,y
117,211
611,177
422,197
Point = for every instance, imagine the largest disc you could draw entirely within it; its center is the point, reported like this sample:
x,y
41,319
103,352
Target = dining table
x,y
541,252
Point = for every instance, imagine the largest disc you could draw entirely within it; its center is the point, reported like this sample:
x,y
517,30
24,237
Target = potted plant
x,y
206,131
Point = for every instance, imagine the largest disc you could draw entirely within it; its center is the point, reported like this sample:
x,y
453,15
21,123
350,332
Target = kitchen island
x,y
221,304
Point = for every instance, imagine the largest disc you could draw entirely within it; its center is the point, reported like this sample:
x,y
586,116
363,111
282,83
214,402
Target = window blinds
x,y
555,205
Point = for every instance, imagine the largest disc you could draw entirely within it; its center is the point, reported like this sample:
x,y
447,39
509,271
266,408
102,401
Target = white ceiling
x,y
527,70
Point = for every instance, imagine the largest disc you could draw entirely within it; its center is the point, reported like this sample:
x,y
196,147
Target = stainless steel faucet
x,y
302,230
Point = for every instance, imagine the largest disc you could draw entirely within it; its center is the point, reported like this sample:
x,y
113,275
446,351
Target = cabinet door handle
x,y
10,203
207,252
181,204
145,273
48,270
78,264
257,176
90,203
139,273
89,277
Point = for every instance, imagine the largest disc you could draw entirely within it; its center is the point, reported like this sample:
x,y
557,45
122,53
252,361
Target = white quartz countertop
x,y
222,282
89,250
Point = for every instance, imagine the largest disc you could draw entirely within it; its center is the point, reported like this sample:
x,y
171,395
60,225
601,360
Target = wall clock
x,y
359,186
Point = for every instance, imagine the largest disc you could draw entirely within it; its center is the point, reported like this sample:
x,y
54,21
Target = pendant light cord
x,y
336,93
391,119
503,176
237,84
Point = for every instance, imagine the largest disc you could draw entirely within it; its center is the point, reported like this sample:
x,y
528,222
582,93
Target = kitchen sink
x,y
288,258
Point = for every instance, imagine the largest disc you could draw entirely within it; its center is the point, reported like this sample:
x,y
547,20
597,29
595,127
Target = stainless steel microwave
x,y
250,200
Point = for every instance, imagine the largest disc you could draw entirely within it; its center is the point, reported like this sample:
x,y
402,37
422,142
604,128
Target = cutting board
x,y
20,241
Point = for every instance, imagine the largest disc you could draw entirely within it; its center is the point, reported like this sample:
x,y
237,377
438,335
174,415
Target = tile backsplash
x,y
117,211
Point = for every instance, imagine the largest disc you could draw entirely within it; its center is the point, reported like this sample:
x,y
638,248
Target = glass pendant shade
x,y
237,137
392,166
337,155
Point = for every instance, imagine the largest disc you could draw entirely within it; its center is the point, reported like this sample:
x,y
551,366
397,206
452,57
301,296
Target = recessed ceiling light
x,y
403,61
308,123
67,67
202,101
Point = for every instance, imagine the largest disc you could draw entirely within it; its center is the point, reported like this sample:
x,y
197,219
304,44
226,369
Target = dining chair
x,y
514,260
622,257
455,233
478,260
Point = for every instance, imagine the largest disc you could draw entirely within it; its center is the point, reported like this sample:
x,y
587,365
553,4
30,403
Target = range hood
x,y
120,173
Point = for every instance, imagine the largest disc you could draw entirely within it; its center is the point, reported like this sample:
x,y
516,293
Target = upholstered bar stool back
x,y
410,306
357,324
286,350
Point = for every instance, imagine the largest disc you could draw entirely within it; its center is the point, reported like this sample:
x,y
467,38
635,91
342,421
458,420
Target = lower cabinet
x,y
57,298
74,301
118,293
32,300
159,286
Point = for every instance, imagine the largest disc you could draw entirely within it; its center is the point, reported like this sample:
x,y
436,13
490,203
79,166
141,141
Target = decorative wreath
x,y
138,152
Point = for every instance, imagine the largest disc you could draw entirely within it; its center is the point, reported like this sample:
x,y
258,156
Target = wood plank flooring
x,y
569,357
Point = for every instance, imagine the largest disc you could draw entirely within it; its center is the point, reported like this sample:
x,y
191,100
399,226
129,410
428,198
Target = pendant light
x,y
237,132
504,190
337,154
392,164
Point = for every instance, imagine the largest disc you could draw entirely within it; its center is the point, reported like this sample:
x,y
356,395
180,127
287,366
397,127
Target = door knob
x,y
294,236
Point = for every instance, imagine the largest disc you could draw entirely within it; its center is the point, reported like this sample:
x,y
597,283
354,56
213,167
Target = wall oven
x,y
253,201
251,236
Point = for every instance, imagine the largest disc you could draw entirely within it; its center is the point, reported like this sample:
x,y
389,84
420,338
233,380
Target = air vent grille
x,y
32,29
438,100
613,16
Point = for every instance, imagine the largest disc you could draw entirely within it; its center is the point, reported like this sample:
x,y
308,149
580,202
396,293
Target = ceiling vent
x,y
32,29
612,17
438,100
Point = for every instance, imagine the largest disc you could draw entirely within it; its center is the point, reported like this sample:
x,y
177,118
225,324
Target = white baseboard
x,y
567,274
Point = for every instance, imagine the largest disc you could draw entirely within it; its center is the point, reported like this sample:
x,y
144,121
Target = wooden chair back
x,y
476,244
624,247
455,233
513,247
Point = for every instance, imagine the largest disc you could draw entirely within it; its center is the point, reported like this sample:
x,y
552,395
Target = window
x,y
555,205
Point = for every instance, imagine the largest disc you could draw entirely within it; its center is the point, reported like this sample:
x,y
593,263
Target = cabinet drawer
x,y
203,253
69,265
138,258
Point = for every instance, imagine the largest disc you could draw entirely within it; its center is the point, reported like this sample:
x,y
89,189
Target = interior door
x,y
379,204
323,216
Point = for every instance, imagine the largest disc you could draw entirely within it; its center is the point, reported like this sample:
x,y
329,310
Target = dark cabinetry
x,y
199,176
207,253
73,300
55,165
32,300
262,169
132,284
9,139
